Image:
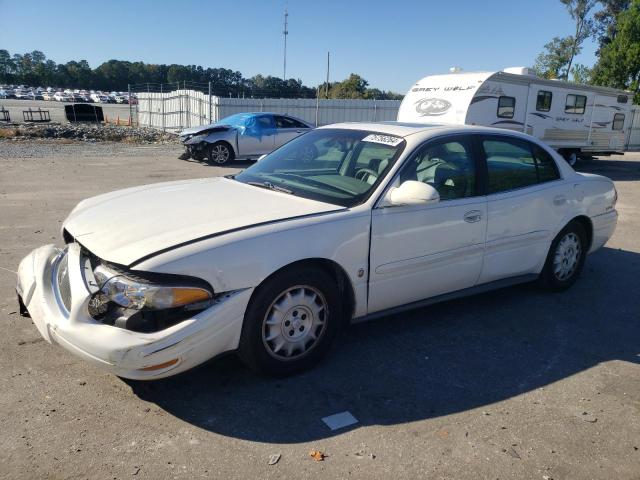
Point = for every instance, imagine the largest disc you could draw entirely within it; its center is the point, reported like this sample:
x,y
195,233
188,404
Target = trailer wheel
x,y
571,156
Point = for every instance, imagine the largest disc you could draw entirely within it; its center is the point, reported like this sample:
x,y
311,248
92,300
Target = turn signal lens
x,y
160,366
179,297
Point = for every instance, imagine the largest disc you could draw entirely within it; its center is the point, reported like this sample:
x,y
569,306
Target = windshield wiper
x,y
271,186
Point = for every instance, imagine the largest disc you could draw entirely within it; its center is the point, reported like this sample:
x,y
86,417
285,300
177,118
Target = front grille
x,y
62,281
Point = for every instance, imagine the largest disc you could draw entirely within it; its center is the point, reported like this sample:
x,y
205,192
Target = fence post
x,y
375,110
150,105
317,104
129,91
162,107
210,121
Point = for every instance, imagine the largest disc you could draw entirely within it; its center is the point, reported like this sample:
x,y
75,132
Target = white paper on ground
x,y
339,420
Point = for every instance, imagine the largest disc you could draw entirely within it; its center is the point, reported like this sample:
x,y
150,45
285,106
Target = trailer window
x,y
575,104
623,99
506,107
618,121
543,102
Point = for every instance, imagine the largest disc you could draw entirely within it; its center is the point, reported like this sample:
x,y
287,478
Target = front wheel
x,y
290,322
565,258
220,153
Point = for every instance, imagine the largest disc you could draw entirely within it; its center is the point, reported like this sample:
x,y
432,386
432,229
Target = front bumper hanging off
x,y
57,302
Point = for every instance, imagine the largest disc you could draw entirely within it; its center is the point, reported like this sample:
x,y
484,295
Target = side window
x,y
447,166
543,102
506,107
287,122
264,121
575,104
618,121
510,164
295,123
547,168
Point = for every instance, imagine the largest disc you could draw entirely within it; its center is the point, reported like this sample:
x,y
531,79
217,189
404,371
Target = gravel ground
x,y
85,132
517,383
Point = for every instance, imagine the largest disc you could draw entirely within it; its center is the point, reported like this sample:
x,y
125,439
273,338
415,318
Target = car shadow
x,y
617,170
435,361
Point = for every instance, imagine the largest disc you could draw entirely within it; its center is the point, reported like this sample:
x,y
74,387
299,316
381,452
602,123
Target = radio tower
x,y
285,32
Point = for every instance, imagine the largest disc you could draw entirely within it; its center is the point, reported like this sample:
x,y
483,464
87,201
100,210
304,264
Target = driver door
x,y
258,137
421,251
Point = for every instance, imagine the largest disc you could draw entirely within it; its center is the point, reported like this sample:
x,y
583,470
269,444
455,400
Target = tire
x,y
571,156
220,153
291,322
565,258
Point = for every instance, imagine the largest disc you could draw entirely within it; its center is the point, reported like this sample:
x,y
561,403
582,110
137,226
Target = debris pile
x,y
85,132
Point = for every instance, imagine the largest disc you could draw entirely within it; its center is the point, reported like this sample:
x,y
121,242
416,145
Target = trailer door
x,y
633,137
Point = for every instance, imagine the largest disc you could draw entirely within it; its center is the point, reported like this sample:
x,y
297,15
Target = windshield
x,y
336,166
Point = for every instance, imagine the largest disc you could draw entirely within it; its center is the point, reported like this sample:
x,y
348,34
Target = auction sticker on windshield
x,y
384,139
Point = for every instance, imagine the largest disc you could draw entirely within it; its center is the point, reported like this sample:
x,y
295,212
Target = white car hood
x,y
126,225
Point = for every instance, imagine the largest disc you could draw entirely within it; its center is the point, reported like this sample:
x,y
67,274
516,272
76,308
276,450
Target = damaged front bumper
x,y
53,288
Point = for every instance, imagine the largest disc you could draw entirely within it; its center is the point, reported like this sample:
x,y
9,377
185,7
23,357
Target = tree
x,y
581,74
619,62
557,59
552,63
604,21
579,11
353,87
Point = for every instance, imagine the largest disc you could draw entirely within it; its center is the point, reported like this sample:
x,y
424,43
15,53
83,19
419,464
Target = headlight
x,y
137,294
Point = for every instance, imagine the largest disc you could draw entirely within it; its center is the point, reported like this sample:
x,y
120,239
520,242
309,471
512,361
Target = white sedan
x,y
271,262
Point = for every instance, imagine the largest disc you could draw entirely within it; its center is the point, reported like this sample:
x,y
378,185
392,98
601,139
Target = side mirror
x,y
412,192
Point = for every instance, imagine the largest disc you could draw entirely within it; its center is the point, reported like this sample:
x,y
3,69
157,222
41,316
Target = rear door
x,y
288,128
526,201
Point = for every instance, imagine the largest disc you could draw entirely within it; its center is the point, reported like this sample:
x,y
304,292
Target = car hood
x,y
204,128
127,225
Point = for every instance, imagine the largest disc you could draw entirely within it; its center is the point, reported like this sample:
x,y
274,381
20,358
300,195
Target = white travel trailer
x,y
577,120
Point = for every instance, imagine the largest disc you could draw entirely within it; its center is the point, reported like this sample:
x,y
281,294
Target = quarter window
x,y
547,169
575,104
543,102
618,121
514,164
506,107
448,167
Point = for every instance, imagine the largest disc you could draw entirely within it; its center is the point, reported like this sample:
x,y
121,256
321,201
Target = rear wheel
x,y
565,258
290,322
220,153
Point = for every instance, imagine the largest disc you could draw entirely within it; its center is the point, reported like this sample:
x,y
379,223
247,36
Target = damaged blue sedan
x,y
244,136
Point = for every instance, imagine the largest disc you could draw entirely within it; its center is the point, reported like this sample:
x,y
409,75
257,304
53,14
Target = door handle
x,y
473,216
559,200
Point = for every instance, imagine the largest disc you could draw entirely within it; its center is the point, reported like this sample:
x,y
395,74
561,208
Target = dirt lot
x,y
518,383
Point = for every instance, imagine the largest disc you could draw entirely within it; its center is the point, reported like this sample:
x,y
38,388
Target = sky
x,y
391,44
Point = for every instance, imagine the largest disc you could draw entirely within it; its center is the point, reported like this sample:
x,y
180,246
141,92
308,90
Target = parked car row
x,y
67,95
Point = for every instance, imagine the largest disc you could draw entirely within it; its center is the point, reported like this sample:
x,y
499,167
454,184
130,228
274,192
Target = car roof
x,y
405,129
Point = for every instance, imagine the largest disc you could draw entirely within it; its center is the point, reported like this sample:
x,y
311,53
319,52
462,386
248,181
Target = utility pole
x,y
326,92
285,32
